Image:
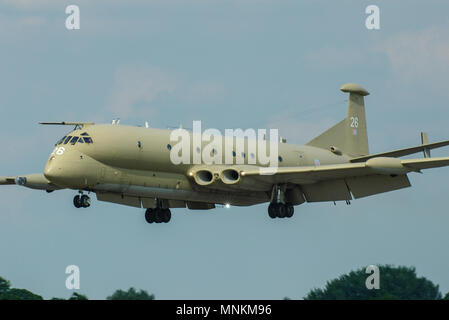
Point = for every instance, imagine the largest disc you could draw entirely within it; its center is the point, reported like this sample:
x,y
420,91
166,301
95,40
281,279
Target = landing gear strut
x,y
278,207
158,214
81,201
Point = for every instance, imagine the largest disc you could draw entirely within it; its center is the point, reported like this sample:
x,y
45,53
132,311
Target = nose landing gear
x,y
81,201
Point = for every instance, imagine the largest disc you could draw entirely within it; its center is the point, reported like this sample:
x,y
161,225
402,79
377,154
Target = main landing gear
x,y
157,215
278,207
81,201
280,210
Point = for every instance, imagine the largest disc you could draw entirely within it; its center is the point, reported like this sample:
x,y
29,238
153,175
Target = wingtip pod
x,y
386,165
354,88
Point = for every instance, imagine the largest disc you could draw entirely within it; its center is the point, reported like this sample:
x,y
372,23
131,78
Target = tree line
x,y
8,293
401,283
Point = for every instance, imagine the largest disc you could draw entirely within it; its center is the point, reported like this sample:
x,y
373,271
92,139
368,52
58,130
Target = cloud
x,y
299,131
12,26
417,56
135,88
334,57
140,90
204,92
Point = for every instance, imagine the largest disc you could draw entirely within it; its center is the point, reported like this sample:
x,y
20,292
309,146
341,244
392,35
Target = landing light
x,y
227,205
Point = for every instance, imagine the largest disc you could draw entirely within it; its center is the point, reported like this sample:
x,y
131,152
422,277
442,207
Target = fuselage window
x,y
67,139
87,140
280,159
169,146
74,140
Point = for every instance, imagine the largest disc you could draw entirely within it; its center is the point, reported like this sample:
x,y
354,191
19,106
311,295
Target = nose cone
x,y
52,171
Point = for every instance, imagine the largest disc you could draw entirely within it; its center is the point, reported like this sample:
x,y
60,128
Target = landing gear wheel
x,y
272,210
85,201
158,215
290,211
77,201
166,215
281,210
149,215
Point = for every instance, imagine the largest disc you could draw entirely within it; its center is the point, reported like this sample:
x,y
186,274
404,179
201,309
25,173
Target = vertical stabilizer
x,y
349,135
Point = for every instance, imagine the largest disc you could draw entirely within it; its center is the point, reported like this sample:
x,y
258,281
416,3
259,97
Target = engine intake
x,y
203,177
230,176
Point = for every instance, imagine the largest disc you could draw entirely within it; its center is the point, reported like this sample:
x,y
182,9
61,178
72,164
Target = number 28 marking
x,y
354,122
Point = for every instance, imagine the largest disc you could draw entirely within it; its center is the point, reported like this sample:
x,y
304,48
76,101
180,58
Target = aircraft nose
x,y
52,171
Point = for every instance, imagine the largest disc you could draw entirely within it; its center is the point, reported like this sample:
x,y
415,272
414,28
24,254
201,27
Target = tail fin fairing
x,y
349,135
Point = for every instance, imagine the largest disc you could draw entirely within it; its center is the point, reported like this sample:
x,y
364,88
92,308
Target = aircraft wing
x,y
380,165
426,163
403,152
308,174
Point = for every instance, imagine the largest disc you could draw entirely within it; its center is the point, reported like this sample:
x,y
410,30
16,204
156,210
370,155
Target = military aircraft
x,y
131,165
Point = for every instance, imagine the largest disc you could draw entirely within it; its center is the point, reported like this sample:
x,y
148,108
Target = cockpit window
x,y
60,141
84,134
74,140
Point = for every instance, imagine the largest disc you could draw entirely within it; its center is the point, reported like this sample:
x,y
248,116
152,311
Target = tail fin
x,y
349,135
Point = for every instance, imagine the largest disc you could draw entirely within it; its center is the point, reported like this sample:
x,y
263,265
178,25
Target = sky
x,y
231,64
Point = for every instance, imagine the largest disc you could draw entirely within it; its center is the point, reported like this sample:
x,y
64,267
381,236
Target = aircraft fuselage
x,y
131,165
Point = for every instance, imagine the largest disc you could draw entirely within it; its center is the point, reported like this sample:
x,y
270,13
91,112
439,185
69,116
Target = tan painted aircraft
x,y
131,166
